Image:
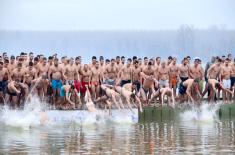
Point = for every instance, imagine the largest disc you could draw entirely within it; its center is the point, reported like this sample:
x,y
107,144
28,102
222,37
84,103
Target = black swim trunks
x,y
10,93
182,89
183,79
3,85
123,82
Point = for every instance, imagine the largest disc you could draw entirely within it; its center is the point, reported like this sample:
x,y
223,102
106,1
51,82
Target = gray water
x,y
81,132
141,138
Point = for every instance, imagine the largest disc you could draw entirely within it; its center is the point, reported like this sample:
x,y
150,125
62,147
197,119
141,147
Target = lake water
x,y
80,132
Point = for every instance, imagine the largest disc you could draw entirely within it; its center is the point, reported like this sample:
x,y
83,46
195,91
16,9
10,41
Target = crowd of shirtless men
x,y
66,83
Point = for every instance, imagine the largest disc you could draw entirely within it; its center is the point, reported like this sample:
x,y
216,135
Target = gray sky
x,y
114,14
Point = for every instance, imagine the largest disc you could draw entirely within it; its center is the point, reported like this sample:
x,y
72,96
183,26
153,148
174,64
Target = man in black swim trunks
x,y
185,89
12,92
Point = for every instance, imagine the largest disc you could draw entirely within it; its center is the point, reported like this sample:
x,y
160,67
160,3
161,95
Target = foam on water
x,y
34,112
203,113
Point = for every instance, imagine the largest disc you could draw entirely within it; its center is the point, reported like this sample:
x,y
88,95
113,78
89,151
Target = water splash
x,y
204,113
36,114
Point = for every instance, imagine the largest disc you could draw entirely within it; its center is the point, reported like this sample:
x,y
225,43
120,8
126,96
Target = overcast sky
x,y
70,15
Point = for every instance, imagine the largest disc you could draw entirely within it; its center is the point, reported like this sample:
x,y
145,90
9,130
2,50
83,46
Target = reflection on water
x,y
79,132
147,138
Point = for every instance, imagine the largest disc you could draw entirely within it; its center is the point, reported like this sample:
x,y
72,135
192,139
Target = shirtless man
x,y
174,72
136,70
30,74
163,75
95,80
13,91
86,79
186,87
70,72
147,88
65,95
212,85
93,63
225,75
125,74
41,85
36,63
102,68
149,70
77,80
55,76
145,64
162,92
63,65
12,65
214,70
129,96
3,83
43,67
233,78
158,62
118,63
123,60
184,70
111,73
18,73
112,95
196,71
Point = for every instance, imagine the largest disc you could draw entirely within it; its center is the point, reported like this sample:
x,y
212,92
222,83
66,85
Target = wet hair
x,y
145,58
227,59
122,57
31,63
44,58
112,59
50,58
117,57
107,60
56,59
129,59
1,63
13,57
